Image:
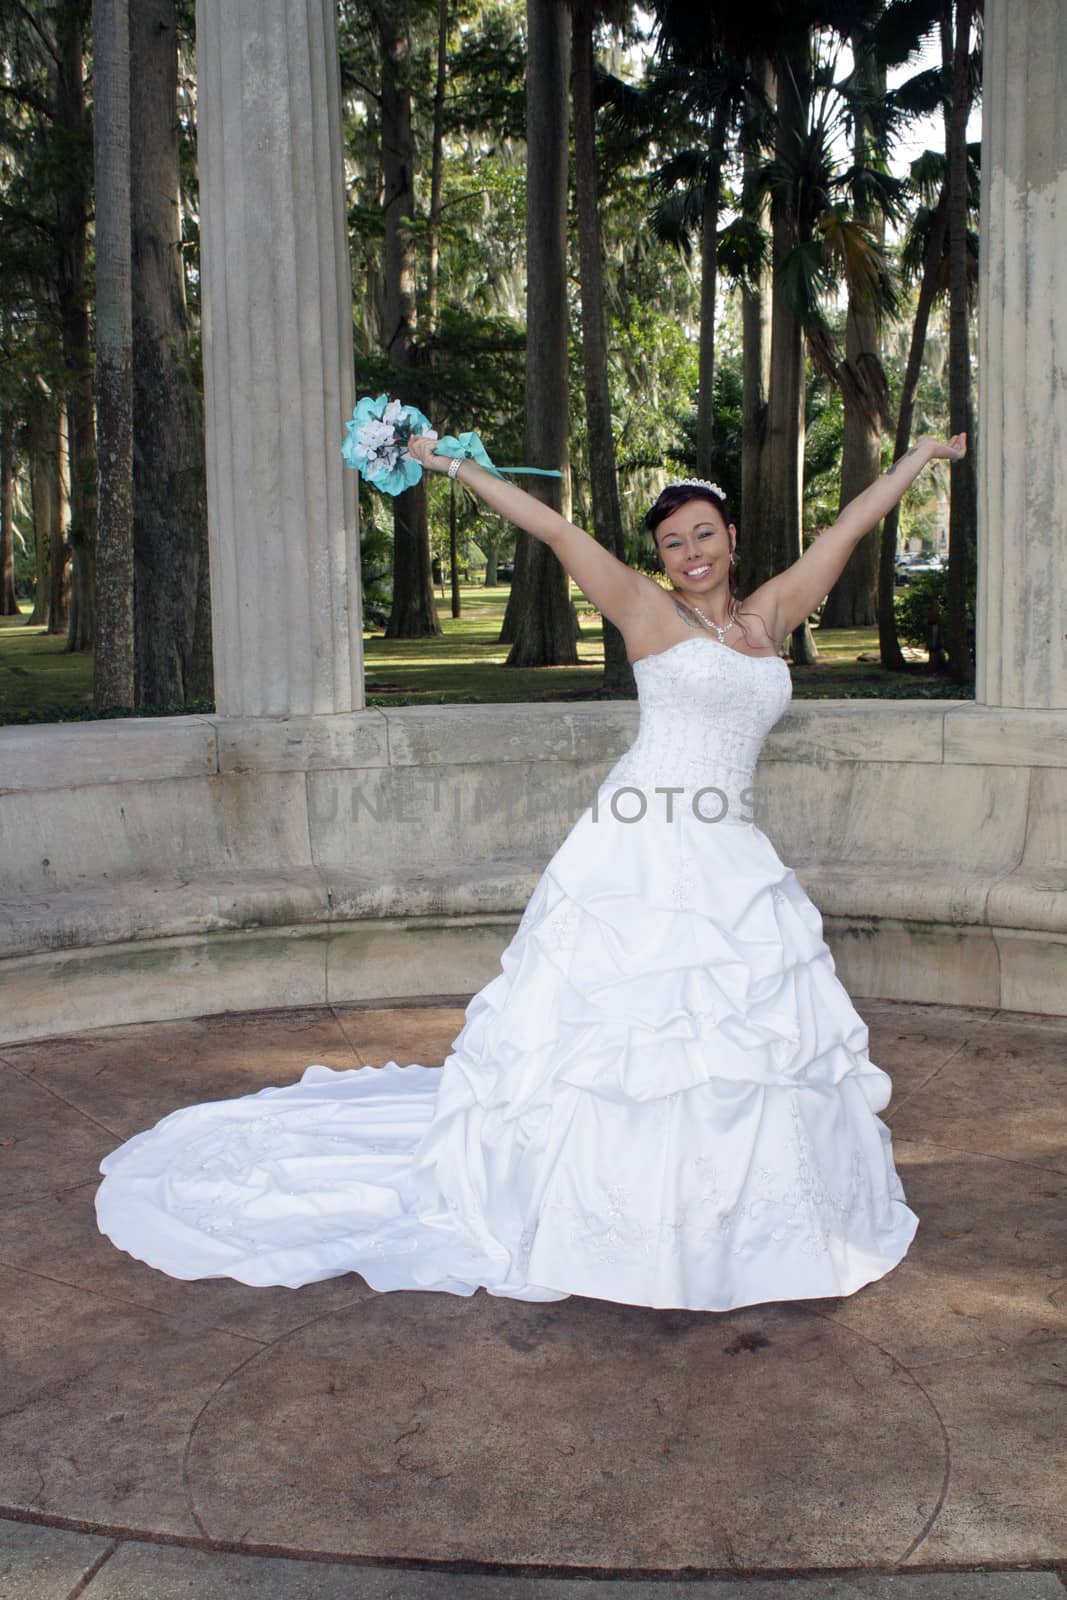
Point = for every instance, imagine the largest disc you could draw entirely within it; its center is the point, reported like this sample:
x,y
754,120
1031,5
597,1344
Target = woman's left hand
x,y
422,447
953,449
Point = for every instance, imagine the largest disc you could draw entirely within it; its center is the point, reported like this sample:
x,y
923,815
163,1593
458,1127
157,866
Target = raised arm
x,y
618,591
796,592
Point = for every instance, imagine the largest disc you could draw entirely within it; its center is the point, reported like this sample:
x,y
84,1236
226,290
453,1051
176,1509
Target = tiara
x,y
697,483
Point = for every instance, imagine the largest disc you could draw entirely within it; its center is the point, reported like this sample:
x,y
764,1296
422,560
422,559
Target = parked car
x,y
907,567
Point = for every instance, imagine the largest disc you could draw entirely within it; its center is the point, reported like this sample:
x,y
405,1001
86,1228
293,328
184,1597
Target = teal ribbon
x,y
470,448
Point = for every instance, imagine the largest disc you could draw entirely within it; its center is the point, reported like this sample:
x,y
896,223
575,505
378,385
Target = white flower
x,y
374,438
394,412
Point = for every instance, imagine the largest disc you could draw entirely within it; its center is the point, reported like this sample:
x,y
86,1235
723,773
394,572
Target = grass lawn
x,y
40,682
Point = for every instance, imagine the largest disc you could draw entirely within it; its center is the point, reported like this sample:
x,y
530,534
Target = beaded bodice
x,y
706,711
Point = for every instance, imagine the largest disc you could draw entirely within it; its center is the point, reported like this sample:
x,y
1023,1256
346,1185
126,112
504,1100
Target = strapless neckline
x,y
657,655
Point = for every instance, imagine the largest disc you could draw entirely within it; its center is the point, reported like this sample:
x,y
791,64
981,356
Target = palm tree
x,y
887,37
540,622
712,97
818,242
794,208
700,92
754,277
604,483
853,600
922,258
927,260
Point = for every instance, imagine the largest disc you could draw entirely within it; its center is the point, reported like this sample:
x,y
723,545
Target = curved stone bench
x,y
174,867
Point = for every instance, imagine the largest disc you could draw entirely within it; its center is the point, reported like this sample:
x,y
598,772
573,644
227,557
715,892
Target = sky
x,y
926,134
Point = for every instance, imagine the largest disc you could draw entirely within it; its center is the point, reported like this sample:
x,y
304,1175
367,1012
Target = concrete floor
x,y
920,1424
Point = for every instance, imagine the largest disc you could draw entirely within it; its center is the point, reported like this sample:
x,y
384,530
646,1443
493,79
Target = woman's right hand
x,y
422,447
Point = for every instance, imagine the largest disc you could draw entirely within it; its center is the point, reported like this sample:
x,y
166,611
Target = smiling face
x,y
695,543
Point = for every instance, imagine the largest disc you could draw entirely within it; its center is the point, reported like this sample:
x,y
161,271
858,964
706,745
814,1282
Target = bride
x,y
664,1097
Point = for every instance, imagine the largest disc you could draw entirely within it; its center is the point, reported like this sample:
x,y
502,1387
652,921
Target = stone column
x,y
278,379
1022,574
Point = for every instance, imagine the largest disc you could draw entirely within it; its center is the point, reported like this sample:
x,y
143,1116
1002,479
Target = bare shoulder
x,y
660,621
759,613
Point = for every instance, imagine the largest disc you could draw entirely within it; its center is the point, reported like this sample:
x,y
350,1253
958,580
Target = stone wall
x,y
164,868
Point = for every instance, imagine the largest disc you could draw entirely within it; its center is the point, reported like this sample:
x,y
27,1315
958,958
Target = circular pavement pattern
x,y
425,1426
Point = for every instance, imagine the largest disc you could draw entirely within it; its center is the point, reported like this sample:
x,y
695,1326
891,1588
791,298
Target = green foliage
x,y
488,71
924,595
925,598
463,666
823,437
728,427
660,116
375,558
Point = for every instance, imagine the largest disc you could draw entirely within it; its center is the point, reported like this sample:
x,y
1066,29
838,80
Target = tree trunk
x,y
59,564
853,600
200,674
520,567
113,657
170,532
783,502
453,552
604,483
8,603
889,644
756,544
437,165
755,548
709,279
963,512
41,503
540,622
414,614
72,215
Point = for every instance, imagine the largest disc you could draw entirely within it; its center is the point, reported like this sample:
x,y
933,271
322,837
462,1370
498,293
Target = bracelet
x,y
453,471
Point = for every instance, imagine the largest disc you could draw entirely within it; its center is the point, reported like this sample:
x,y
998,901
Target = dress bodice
x,y
706,711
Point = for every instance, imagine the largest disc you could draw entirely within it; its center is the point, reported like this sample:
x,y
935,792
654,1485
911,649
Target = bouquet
x,y
377,445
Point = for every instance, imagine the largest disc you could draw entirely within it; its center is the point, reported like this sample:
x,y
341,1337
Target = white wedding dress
x,y
664,1098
